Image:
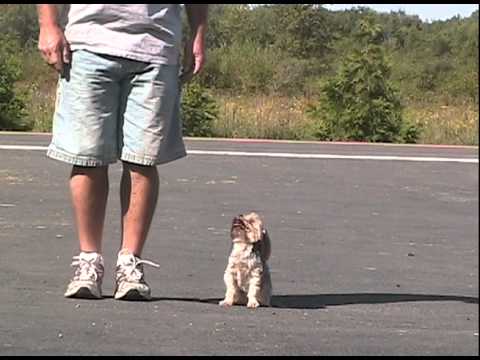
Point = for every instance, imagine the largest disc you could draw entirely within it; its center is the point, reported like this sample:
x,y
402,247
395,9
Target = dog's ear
x,y
265,246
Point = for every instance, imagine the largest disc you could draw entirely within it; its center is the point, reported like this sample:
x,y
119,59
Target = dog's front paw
x,y
252,304
226,303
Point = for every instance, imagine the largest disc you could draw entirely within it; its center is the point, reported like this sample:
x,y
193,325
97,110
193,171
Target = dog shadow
x,y
322,301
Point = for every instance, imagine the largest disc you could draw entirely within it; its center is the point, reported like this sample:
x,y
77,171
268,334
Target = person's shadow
x,y
321,301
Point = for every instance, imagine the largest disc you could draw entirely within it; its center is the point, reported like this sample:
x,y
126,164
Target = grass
x,y
39,84
269,117
263,117
453,124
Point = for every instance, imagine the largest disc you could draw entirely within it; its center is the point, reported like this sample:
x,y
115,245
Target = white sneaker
x,y
87,279
129,277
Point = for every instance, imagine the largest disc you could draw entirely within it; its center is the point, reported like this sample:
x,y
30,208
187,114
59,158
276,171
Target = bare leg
x,y
89,191
138,194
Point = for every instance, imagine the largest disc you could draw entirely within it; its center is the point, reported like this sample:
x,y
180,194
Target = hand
x,y
54,47
193,59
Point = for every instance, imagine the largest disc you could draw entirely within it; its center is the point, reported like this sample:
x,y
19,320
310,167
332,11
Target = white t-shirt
x,y
144,32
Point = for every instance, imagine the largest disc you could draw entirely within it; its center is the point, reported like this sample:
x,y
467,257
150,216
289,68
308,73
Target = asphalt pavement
x,y
374,252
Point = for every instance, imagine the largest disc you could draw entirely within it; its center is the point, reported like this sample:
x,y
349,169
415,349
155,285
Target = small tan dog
x,y
247,276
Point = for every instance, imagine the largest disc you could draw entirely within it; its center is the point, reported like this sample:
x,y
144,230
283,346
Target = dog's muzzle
x,y
238,222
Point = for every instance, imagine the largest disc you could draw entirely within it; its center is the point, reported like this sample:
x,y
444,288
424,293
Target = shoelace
x,y
131,270
86,269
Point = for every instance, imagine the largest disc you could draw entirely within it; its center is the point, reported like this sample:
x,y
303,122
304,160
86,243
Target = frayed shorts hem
x,y
150,161
78,160
83,161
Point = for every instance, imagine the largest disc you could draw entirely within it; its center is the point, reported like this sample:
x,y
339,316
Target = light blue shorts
x,y
111,108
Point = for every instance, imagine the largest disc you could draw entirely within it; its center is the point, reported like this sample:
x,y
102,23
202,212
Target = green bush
x,y
12,107
433,73
243,67
21,21
246,68
198,110
359,103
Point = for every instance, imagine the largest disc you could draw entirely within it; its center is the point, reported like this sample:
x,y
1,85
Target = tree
x,y
12,109
359,102
199,110
302,30
21,21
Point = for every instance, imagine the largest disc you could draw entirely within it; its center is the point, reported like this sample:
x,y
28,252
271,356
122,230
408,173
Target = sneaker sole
x,y
84,293
135,295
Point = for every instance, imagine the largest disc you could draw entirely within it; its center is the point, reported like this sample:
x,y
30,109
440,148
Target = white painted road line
x,y
23,147
332,156
288,155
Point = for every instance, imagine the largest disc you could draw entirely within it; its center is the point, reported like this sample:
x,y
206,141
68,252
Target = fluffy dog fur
x,y
247,276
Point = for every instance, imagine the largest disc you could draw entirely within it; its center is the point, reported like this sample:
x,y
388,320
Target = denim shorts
x,y
110,108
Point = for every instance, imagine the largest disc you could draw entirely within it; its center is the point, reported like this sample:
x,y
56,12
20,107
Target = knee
x,y
89,171
139,171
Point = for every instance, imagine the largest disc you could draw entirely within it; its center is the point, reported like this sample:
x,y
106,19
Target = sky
x,y
426,12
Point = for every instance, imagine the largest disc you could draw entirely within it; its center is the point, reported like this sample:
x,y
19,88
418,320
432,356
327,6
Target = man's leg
x,y
139,194
89,191
151,135
85,134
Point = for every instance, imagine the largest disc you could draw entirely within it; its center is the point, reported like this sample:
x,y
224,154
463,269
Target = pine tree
x,y
359,102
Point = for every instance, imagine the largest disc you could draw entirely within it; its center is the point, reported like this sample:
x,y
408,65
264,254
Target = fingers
x,y
193,62
198,51
54,48
53,58
199,63
192,68
56,59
